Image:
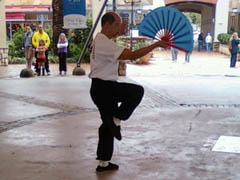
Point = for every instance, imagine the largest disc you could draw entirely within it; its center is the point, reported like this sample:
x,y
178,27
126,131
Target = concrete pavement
x,y
48,125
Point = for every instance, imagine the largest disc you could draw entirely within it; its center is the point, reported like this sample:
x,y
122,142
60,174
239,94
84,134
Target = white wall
x,y
158,3
96,7
154,5
3,40
221,17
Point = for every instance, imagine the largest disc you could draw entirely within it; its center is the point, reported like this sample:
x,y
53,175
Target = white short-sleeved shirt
x,y
104,58
208,39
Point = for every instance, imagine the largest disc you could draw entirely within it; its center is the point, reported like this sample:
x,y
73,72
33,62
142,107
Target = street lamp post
x,y
131,25
131,45
114,5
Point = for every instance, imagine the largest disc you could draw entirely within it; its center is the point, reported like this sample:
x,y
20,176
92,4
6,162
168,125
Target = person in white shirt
x,y
115,101
208,41
174,53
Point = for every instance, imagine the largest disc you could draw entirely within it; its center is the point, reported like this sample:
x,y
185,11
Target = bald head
x,y
111,24
110,17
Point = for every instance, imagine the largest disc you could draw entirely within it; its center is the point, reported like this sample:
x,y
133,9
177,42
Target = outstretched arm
x,y
127,54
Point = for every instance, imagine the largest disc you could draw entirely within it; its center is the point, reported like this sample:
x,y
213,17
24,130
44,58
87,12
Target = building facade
x,y
214,13
20,13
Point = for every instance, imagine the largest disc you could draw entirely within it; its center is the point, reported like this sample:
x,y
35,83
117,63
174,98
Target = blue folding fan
x,y
170,25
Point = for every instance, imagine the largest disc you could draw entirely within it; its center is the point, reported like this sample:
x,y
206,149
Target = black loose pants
x,y
107,95
62,61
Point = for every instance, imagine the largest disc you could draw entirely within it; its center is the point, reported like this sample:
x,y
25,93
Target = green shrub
x,y
224,38
53,59
15,46
17,60
141,44
49,31
77,39
72,60
74,50
119,42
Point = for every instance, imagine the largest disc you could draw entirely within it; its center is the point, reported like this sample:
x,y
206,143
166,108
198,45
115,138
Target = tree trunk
x,y
57,22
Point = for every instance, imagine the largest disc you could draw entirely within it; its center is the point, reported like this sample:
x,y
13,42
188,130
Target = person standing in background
x,y
62,53
234,49
200,41
28,47
174,53
208,41
41,56
187,57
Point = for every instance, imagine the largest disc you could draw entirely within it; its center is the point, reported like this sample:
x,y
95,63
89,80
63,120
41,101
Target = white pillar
x,y
3,39
221,17
96,7
3,36
158,3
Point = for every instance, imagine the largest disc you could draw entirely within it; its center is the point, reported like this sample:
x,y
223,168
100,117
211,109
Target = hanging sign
x,y
74,14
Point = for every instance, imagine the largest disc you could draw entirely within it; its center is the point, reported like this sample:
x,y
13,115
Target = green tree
x,y
194,18
77,39
57,24
16,44
224,38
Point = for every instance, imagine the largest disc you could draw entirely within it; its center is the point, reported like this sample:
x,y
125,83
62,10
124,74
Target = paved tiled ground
x,y
48,125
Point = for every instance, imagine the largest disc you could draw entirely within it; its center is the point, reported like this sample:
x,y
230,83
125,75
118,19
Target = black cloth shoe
x,y
109,167
43,71
116,131
38,71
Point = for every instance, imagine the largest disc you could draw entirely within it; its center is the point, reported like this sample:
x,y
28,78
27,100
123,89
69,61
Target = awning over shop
x,y
28,8
15,16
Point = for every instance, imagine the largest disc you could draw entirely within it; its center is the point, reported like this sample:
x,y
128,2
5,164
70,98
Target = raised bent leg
x,y
129,95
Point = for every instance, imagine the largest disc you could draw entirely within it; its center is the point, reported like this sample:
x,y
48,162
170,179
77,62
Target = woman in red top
x,y
41,58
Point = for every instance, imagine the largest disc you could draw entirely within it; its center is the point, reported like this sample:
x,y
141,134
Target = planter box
x,y
122,68
215,46
4,56
145,59
135,40
223,49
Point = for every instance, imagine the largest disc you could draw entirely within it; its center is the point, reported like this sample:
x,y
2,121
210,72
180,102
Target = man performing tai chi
x,y
115,101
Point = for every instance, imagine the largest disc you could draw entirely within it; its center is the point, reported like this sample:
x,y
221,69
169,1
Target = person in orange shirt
x,y
41,57
40,34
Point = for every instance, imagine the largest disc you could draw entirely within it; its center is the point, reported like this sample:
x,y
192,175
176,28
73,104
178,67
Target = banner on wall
x,y
74,14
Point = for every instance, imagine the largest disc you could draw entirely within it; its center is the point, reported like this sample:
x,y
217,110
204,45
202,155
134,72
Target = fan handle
x,y
167,38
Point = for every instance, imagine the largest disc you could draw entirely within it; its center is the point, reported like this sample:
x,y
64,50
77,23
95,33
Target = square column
x,y
221,18
3,39
96,7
